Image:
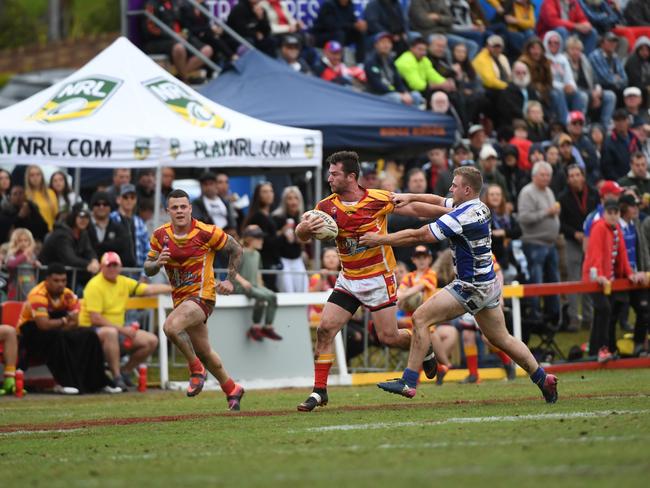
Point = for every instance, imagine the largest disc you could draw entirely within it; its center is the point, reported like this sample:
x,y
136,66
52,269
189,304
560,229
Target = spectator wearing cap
x,y
106,235
538,213
477,138
638,176
460,155
104,308
290,54
69,243
607,66
16,211
638,255
249,282
563,81
633,100
332,68
418,72
387,16
568,154
637,66
368,178
576,202
609,190
422,281
514,99
337,21
620,144
134,227
492,66
601,102
248,18
488,161
606,253
383,78
210,207
566,17
586,149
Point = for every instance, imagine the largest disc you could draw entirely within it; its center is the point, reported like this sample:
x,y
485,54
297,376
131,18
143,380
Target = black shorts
x,y
350,303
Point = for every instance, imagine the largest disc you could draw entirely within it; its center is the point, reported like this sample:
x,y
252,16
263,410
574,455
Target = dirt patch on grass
x,y
109,422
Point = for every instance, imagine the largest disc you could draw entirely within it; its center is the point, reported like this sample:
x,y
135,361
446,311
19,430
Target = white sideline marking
x,y
31,432
474,420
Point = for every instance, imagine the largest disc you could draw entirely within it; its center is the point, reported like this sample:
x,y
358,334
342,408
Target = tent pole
x,y
157,197
77,181
318,195
124,29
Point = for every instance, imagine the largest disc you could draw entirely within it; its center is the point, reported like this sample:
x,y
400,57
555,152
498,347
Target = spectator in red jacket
x,y
567,18
606,254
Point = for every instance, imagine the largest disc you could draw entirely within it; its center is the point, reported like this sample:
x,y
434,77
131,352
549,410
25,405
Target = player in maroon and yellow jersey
x,y
367,276
186,248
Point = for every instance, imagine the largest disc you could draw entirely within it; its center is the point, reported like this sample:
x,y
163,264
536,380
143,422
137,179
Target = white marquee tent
x,y
123,110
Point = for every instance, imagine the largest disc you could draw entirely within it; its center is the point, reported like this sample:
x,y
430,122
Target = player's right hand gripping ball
x,y
329,231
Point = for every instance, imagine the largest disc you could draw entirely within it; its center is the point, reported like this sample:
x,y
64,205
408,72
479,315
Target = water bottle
x,y
142,378
593,274
20,383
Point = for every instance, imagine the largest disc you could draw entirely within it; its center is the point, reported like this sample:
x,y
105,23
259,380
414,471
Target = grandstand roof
x,y
269,90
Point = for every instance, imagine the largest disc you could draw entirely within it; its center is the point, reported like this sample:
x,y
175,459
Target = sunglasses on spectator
x,y
102,204
112,265
577,122
130,196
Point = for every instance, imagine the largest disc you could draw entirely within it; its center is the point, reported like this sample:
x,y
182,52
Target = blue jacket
x,y
379,75
332,17
604,74
615,162
603,17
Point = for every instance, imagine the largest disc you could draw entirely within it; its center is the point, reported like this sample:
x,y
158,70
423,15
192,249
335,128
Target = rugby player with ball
x,y
367,276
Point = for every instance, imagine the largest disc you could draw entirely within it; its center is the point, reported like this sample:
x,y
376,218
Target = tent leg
x,y
157,197
77,182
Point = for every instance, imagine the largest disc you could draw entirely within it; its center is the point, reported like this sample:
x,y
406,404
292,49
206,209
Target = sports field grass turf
x,y
492,434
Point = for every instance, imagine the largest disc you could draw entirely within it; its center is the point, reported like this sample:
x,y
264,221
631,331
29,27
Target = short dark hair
x,y
471,176
418,40
178,193
349,160
55,268
575,166
637,155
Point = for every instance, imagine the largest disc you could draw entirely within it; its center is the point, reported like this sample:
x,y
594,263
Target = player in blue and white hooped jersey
x,y
475,289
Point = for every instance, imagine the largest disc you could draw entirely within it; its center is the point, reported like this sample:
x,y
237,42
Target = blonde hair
x,y
471,176
444,267
42,189
13,240
281,211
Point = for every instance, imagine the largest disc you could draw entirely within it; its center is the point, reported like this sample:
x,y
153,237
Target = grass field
x,y
491,434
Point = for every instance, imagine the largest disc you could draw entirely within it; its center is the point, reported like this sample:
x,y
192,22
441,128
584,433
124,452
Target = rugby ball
x,y
329,231
412,302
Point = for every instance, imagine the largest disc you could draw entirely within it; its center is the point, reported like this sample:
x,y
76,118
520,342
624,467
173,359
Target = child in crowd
x,y
249,282
21,263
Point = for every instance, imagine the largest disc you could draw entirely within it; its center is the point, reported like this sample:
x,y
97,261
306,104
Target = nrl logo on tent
x,y
183,103
77,99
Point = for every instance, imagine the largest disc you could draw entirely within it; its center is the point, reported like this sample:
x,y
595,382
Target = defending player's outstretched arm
x,y
406,237
422,205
